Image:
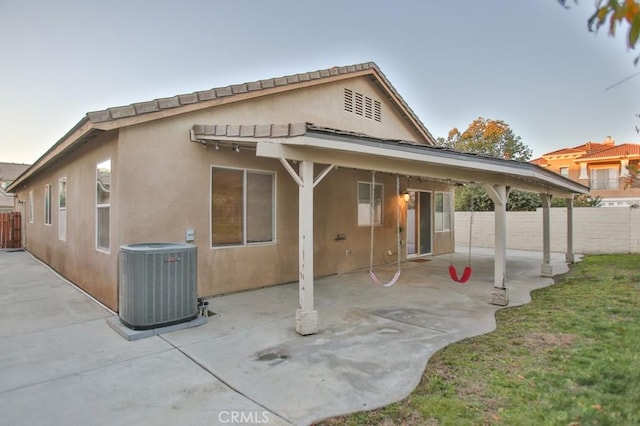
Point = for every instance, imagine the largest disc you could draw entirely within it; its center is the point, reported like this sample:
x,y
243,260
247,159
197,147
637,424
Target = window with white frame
x,y
242,207
62,209
103,205
564,171
30,206
604,179
368,210
443,211
47,204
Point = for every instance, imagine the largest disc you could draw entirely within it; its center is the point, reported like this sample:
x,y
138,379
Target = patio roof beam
x,y
386,160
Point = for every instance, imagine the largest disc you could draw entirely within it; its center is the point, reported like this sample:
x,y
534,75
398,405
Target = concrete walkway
x,y
60,363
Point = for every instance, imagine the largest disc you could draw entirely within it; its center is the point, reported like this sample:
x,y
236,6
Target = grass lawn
x,y
570,357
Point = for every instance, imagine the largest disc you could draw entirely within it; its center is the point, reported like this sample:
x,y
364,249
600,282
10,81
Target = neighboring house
x,y
8,173
607,168
233,170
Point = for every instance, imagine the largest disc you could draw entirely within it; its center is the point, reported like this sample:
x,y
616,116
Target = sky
x,y
532,64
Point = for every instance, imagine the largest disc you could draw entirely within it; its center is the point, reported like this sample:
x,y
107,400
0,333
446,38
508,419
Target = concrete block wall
x,y
595,230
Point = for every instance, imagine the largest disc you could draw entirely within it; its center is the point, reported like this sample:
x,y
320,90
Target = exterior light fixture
x,y
217,147
236,147
406,196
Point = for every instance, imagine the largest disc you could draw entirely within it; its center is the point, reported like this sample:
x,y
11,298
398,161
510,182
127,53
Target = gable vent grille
x,y
348,100
364,106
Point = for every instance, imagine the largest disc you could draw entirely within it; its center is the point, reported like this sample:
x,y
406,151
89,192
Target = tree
x,y
496,139
489,137
615,13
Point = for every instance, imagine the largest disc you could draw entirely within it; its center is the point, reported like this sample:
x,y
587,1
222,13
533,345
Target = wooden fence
x,y
10,227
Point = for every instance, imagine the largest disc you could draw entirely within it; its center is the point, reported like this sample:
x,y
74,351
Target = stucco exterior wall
x,y
76,257
596,230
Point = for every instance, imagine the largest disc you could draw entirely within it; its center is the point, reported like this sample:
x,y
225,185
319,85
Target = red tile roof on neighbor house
x,y
585,148
617,151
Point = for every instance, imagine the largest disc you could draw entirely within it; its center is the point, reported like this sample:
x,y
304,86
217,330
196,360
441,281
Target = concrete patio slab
x,y
63,364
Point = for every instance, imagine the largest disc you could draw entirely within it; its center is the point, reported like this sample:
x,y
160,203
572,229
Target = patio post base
x,y
306,322
499,296
547,270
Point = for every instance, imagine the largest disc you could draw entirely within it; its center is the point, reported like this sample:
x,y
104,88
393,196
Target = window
x,y
365,210
242,207
443,211
604,179
30,206
564,171
62,209
47,204
103,205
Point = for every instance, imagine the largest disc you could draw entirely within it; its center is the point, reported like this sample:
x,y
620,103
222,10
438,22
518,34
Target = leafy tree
x,y
582,200
475,197
489,137
496,139
615,13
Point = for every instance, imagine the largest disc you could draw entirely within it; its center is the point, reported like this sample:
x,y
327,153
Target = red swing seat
x,y
466,274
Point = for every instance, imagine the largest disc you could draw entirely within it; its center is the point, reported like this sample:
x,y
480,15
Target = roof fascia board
x,y
412,165
610,158
448,158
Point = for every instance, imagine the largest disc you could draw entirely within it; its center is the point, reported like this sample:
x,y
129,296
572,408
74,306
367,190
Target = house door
x,y
418,223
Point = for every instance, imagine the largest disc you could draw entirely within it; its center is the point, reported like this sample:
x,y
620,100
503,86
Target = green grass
x,y
570,357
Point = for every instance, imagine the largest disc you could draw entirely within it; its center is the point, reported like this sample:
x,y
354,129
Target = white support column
x,y
547,269
306,315
569,255
499,195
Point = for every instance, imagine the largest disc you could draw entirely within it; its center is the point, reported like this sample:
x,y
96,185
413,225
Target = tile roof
x,y
616,151
540,161
580,149
10,171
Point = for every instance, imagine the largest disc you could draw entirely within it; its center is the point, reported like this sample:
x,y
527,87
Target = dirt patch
x,y
548,341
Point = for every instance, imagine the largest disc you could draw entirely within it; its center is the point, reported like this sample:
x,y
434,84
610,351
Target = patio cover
x,y
309,144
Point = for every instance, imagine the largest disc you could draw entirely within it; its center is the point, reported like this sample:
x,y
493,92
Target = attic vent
x,y
362,105
348,100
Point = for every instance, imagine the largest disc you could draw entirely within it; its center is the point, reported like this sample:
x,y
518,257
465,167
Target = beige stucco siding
x,y
76,257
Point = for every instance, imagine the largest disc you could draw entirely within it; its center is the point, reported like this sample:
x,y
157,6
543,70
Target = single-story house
x,y
276,180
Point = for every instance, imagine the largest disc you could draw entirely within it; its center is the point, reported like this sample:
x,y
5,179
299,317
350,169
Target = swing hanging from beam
x,y
466,274
372,274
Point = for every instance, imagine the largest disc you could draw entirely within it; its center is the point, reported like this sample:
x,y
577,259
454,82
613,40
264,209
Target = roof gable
x,y
122,116
159,108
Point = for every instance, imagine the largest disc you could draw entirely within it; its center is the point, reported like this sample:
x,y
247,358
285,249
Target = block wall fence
x,y
595,230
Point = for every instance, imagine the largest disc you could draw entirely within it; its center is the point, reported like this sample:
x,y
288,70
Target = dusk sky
x,y
532,64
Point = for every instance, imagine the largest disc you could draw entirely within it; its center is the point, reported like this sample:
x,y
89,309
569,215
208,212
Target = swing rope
x,y
466,274
372,275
